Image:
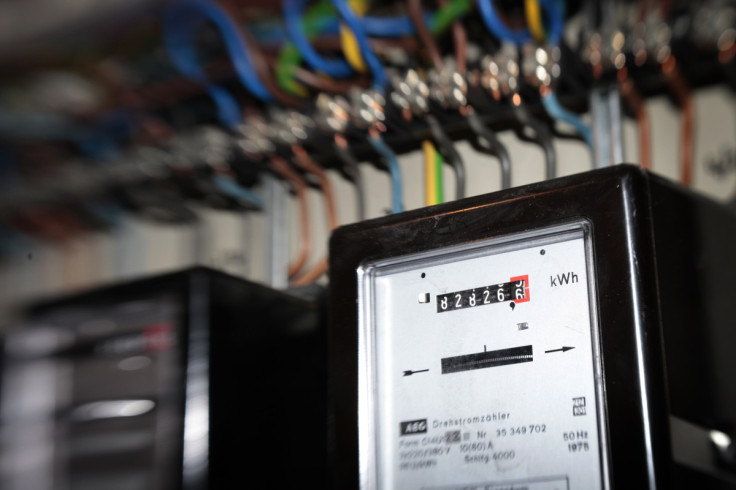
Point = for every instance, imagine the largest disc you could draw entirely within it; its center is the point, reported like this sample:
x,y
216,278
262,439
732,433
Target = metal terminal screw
x,y
500,72
636,43
212,145
411,93
255,136
448,87
650,40
658,40
605,51
367,108
541,65
290,127
333,113
616,55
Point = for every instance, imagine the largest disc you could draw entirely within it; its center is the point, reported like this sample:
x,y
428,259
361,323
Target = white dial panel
x,y
480,367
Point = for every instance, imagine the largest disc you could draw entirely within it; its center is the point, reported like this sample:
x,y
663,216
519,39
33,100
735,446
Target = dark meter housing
x,y
572,334
190,380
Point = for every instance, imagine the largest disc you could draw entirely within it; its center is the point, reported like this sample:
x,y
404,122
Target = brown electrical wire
x,y
264,71
281,167
681,91
459,36
167,93
417,17
55,224
264,64
159,94
460,40
378,44
176,90
305,162
727,53
153,131
636,103
330,85
643,9
323,83
171,92
665,6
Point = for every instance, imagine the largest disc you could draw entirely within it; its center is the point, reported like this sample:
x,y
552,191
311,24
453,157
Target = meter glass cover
x,y
480,367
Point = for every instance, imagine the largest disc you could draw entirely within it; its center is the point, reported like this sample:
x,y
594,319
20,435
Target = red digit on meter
x,y
523,287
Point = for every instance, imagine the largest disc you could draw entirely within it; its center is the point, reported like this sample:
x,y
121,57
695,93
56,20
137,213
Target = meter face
x,y
480,367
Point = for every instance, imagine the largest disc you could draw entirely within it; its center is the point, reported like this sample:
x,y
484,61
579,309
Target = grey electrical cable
x,y
617,137
354,175
542,136
605,108
601,137
495,147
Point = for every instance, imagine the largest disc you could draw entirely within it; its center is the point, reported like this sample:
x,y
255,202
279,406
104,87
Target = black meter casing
x,y
230,375
665,281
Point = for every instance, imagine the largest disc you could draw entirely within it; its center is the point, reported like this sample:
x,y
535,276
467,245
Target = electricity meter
x,y
522,340
473,382
160,383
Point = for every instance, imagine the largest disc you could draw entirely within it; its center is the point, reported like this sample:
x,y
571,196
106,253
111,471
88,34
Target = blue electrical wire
x,y
293,13
392,27
380,80
184,58
386,27
92,141
556,111
555,13
180,26
394,171
267,32
273,32
498,28
181,20
276,34
556,17
231,188
555,10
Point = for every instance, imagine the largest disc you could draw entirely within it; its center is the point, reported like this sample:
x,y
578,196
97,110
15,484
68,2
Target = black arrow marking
x,y
410,372
512,305
564,349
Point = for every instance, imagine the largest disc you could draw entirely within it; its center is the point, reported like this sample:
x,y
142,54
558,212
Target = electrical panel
x,y
570,333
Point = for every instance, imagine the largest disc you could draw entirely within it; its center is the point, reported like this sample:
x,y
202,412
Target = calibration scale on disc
x,y
483,361
571,334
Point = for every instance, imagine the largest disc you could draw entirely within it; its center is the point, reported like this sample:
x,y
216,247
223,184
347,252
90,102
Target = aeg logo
x,y
413,427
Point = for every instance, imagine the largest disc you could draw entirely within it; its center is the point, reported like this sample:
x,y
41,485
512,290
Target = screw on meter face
x,y
480,366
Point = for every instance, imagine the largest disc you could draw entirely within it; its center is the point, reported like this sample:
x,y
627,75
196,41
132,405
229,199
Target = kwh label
x,y
563,279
